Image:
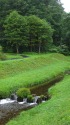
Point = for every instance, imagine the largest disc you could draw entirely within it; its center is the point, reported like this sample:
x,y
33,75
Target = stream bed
x,y
10,110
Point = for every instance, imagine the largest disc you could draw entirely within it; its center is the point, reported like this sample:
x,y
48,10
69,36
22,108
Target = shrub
x,y
23,92
44,97
53,49
63,49
30,98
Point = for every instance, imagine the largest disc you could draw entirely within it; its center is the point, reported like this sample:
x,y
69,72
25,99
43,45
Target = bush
x,y
23,92
63,49
53,49
30,98
44,98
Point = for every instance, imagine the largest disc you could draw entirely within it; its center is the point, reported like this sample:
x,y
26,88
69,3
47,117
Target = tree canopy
x,y
16,30
46,13
30,31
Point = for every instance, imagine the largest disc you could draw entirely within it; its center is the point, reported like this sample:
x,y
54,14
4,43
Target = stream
x,y
11,110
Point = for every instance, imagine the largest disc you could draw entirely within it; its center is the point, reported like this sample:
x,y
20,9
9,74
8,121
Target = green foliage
x,y
40,32
42,97
16,37
29,31
16,30
53,49
23,92
66,31
30,98
60,49
54,17
63,49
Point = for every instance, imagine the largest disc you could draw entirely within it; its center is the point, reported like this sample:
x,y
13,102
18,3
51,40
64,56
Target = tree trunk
x,y
31,48
17,49
30,44
39,47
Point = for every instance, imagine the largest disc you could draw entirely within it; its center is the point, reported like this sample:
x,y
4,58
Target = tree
x,y
39,31
50,10
16,30
54,17
66,30
25,7
45,33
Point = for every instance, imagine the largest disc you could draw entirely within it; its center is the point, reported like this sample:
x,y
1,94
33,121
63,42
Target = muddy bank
x,y
43,89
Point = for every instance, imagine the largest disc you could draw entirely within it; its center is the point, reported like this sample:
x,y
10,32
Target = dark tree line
x,y
26,25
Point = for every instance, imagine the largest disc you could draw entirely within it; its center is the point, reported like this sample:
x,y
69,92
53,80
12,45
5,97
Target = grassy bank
x,y
54,112
13,67
31,71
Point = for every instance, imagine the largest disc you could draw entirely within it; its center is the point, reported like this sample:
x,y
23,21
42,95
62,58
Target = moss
x,y
30,98
23,92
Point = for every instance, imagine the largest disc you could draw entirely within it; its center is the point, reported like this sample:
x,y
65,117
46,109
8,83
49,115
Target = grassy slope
x,y
30,71
54,112
13,67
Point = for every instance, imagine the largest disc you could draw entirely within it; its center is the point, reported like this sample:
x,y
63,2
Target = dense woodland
x,y
34,26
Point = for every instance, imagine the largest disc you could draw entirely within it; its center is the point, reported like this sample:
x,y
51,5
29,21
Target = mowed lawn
x,y
31,71
56,111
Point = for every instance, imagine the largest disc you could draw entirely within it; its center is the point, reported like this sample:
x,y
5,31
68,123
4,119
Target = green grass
x,y
36,70
19,56
31,71
54,112
13,56
13,67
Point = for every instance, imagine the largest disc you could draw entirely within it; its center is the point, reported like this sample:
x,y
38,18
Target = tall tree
x,y
16,30
50,10
55,16
39,32
66,30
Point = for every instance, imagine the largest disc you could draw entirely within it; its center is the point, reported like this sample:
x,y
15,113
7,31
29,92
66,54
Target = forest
x,y
34,26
